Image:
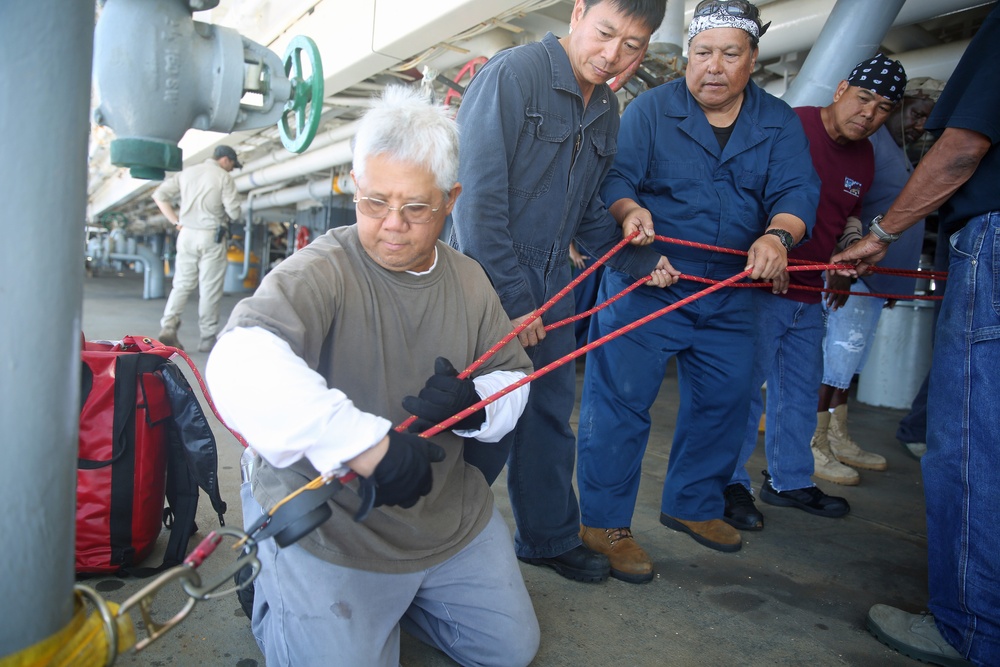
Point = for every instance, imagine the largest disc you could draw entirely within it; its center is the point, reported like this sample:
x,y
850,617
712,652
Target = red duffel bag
x,y
143,440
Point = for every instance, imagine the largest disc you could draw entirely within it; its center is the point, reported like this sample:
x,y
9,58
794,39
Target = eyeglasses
x,y
738,8
414,213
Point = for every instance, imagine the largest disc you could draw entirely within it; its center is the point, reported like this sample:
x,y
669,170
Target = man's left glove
x,y
443,396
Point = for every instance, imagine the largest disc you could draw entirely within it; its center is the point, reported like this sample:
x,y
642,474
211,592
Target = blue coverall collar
x,y
746,134
563,77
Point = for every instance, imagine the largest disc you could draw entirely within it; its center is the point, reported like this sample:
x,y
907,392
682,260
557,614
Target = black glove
x,y
442,397
403,475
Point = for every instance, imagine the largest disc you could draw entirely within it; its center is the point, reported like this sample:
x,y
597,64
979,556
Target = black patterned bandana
x,y
739,14
881,75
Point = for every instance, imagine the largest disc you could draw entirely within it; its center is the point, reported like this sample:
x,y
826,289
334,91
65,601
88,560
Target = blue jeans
x,y
789,355
962,466
712,339
850,331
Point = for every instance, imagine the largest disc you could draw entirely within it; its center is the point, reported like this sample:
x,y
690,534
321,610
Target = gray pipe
x,y
851,34
152,279
247,230
45,70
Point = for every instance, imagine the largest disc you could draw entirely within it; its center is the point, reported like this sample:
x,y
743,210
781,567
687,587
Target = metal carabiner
x,y
249,558
144,600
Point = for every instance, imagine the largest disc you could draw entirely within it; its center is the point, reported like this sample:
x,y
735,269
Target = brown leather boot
x,y
629,562
714,533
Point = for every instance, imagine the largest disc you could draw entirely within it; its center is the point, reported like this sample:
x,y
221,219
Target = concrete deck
x,y
796,594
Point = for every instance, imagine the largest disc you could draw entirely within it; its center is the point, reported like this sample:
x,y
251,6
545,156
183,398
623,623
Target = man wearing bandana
x,y
850,331
713,159
789,348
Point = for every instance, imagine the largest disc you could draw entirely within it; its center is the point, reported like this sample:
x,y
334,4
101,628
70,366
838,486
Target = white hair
x,y
404,126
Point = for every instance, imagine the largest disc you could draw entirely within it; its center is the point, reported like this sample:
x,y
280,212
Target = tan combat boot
x,y
629,562
845,449
826,464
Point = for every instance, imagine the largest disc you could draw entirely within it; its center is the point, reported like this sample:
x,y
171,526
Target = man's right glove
x,y
403,475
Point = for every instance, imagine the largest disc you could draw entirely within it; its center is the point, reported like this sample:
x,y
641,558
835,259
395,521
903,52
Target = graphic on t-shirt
x,y
852,186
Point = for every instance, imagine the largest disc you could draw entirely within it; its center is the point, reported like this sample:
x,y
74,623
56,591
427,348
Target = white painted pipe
x,y
795,24
317,190
673,30
935,61
330,156
322,140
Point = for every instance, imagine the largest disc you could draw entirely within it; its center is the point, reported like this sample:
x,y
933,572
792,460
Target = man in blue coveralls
x,y
715,160
961,468
539,128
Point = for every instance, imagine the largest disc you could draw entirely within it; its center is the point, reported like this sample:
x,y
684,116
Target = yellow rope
x,y
83,642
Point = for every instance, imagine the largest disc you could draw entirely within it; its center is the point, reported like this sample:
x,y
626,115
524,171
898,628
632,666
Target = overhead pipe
x,y
936,61
852,34
247,212
322,140
314,190
330,156
671,32
797,24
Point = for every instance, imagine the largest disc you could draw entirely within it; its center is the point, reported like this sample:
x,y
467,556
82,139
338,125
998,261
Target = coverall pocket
x,y
536,157
678,187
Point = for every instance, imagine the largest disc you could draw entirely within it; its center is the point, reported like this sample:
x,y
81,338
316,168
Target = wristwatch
x,y
785,237
881,234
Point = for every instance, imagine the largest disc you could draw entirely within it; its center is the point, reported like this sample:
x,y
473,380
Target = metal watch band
x,y
783,236
880,233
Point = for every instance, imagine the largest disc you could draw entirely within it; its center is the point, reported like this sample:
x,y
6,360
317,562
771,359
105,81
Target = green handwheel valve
x,y
305,105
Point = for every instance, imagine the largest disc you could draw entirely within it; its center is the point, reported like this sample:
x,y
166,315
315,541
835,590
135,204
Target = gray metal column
x,y
45,76
851,34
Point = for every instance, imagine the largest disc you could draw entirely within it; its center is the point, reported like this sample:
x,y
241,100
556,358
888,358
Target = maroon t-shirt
x,y
845,172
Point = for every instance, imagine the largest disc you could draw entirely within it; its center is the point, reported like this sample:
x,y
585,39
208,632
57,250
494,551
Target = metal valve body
x,y
158,73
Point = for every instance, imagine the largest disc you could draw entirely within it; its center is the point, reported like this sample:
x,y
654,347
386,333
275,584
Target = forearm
x,y
949,163
621,208
789,223
852,234
167,210
327,428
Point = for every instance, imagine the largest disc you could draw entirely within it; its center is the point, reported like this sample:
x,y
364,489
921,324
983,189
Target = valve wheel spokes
x,y
306,102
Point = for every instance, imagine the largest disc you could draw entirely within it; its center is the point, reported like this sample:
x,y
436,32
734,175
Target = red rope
x,y
586,348
733,281
524,325
904,273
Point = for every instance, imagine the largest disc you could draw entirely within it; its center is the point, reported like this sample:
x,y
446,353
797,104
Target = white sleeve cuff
x,y
503,413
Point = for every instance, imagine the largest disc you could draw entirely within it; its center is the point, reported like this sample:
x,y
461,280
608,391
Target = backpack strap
x,y
197,441
128,368
192,462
